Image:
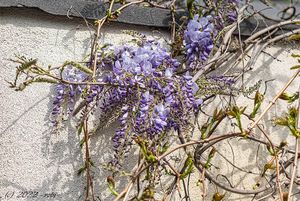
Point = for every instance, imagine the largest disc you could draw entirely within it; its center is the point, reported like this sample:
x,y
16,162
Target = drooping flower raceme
x,y
226,12
201,31
140,87
198,39
152,98
66,94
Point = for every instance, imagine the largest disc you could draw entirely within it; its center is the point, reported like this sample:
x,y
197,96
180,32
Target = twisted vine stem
x,y
194,156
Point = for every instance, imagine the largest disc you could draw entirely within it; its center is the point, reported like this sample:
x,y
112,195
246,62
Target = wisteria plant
x,y
156,93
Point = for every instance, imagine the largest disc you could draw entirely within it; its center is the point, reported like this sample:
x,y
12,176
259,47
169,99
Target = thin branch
x,y
295,164
274,101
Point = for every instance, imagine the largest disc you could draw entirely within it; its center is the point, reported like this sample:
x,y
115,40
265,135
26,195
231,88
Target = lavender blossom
x,y
227,12
160,117
200,32
147,87
143,91
66,95
198,39
143,114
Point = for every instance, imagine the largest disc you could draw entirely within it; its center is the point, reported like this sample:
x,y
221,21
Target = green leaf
x,y
218,197
293,112
203,130
284,96
296,55
190,6
294,37
189,164
148,154
46,80
26,64
289,98
282,144
257,103
111,186
164,148
79,66
236,112
270,149
80,127
81,170
81,143
258,97
295,67
92,163
280,121
289,120
210,156
294,97
267,166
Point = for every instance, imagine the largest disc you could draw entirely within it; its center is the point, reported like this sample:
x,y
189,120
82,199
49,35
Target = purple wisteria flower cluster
x,y
225,12
199,36
153,99
67,94
140,82
199,39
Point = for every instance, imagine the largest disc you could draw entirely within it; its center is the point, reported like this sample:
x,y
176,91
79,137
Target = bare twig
x,y
295,164
89,179
274,101
137,171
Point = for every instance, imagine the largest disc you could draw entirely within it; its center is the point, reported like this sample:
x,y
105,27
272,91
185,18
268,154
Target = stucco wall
x,y
33,159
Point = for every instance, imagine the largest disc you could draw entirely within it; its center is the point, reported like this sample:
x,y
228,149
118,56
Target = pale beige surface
x,y
32,159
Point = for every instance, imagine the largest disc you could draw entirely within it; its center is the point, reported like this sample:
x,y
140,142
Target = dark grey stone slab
x,y
148,16
134,14
277,9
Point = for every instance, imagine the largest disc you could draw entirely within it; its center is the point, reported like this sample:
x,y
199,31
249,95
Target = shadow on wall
x,y
60,155
241,171
61,158
39,160
73,26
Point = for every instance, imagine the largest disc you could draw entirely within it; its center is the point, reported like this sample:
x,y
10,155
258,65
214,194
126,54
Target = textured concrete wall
x,y
32,159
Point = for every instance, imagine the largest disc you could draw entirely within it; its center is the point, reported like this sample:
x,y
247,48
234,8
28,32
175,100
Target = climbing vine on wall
x,y
157,93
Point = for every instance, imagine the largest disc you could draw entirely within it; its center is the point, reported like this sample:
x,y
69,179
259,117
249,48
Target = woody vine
x,y
157,93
